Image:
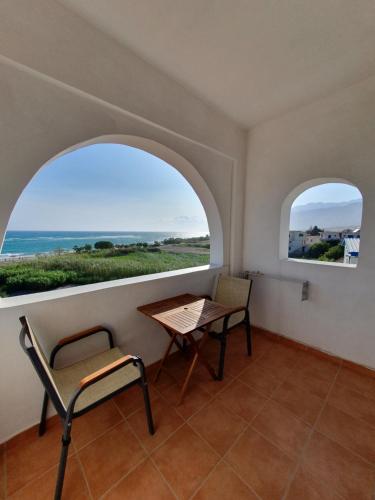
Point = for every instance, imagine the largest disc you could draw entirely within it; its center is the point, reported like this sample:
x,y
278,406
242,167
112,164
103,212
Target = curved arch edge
x,y
185,168
287,205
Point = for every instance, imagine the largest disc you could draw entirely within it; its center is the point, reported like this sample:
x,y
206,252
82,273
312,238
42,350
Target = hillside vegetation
x,y
92,266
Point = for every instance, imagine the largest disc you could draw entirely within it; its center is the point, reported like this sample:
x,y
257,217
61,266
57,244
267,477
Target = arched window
x,y
102,212
323,223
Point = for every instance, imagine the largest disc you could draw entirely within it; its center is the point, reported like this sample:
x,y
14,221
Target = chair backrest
x,y
40,363
233,292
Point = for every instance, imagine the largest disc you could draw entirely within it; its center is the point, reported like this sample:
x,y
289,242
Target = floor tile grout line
x,y
358,391
308,440
212,398
195,412
222,458
277,445
124,418
249,426
347,412
150,457
356,454
75,453
164,479
213,450
221,461
118,481
39,476
99,435
143,459
186,422
225,456
83,472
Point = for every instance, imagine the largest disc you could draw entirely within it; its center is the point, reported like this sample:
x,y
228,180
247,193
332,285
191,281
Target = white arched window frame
x,y
286,209
186,169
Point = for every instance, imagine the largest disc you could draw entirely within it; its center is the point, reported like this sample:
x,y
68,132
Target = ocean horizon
x,y
18,243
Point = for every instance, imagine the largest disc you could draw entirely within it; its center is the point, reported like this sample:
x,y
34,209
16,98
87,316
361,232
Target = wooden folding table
x,y
181,316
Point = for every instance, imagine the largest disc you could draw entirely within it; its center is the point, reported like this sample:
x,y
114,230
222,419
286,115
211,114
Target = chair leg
x,y
63,459
223,345
42,424
146,397
248,334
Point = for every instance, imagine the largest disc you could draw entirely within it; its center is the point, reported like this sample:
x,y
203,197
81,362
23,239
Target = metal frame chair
x,y
221,328
132,369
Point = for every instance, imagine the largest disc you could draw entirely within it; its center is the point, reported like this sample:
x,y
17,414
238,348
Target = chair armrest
x,y
79,336
107,370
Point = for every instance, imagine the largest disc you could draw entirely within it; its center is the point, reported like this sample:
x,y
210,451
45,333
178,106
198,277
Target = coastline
x,y
28,244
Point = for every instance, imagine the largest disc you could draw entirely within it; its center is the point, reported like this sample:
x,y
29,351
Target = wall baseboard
x,y
277,337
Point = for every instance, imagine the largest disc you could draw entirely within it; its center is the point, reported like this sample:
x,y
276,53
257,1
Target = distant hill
x,y
340,215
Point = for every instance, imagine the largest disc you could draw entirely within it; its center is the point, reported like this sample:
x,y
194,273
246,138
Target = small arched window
x,y
98,213
324,223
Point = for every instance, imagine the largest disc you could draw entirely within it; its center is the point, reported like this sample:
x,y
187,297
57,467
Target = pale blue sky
x,y
119,188
109,187
328,193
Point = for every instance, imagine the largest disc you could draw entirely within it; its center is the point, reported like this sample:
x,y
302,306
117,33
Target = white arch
x,y
183,166
288,202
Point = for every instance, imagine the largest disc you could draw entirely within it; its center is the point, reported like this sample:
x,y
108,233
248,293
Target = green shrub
x,y
317,249
117,252
333,243
334,253
101,245
38,280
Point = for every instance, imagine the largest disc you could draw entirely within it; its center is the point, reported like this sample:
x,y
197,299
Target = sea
x,y
28,243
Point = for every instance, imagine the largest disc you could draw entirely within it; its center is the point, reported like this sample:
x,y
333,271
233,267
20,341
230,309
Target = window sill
x,y
322,263
22,300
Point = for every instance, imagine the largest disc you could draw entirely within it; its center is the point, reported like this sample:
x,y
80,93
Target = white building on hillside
x,y
351,233
310,240
351,252
330,235
296,241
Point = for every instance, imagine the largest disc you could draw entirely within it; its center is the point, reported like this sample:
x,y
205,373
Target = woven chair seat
x,y
67,379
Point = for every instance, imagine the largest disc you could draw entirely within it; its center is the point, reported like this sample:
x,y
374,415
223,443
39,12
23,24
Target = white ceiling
x,y
252,59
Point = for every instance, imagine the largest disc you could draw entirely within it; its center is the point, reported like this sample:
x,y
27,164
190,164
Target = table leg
x,y
197,356
197,348
166,354
188,377
182,348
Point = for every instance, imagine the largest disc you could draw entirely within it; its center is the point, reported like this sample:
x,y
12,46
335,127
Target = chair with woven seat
x,y
82,386
233,292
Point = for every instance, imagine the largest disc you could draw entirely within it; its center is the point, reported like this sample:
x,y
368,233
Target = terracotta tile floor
x,y
283,424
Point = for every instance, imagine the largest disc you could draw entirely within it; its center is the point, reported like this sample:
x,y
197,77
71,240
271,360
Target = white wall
x,y
56,43
332,138
62,82
115,306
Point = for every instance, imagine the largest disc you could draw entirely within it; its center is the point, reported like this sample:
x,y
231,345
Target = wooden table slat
x,y
185,313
